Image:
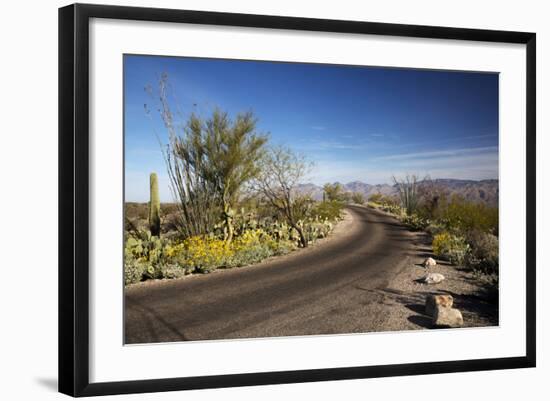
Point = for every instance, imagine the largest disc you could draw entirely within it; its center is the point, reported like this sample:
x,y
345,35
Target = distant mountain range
x,y
485,191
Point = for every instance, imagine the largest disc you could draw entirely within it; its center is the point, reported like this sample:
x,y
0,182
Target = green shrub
x,y
434,228
376,198
334,192
316,229
358,197
172,270
200,253
450,247
460,214
415,222
145,248
392,208
282,247
145,256
133,271
151,257
136,211
249,255
328,210
483,255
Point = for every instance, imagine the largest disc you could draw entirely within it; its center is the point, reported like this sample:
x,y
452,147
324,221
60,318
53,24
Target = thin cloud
x,y
318,127
332,145
438,153
474,164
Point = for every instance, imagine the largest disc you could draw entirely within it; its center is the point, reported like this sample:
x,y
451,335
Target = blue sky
x,y
353,123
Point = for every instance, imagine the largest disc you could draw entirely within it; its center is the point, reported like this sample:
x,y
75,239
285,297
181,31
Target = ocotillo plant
x,y
154,206
408,193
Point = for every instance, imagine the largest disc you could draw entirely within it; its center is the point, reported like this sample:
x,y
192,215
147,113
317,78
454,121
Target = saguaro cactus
x,y
154,206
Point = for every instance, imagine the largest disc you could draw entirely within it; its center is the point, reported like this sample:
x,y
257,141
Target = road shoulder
x,y
405,295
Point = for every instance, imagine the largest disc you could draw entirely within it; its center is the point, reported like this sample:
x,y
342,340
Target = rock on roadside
x,y
430,262
447,317
433,278
432,301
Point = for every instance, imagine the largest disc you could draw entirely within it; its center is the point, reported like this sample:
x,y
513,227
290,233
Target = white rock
x,y
447,317
432,301
433,278
430,262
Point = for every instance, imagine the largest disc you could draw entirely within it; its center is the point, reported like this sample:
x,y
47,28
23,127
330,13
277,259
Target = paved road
x,y
332,288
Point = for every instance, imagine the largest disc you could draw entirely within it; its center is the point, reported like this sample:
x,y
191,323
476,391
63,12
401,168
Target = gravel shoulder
x,y
404,297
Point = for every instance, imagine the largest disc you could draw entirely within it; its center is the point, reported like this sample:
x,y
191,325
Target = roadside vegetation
x,y
464,233
237,200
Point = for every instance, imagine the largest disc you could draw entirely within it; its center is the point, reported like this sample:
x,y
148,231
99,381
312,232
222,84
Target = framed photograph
x,y
251,199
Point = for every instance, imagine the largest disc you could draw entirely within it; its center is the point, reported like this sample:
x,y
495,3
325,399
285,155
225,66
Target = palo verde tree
x,y
282,170
333,192
213,161
231,151
209,163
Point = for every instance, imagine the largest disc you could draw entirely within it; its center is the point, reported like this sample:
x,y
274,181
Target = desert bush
x,y
145,247
277,230
135,210
172,270
328,210
483,255
460,214
168,208
250,254
334,192
201,253
148,253
282,247
434,228
281,171
376,198
316,229
415,222
450,247
358,197
150,257
133,271
256,245
392,208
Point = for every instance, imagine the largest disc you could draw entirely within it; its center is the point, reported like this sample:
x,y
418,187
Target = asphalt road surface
x,y
331,288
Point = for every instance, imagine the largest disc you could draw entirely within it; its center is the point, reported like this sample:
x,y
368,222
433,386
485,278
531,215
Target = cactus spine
x,y
154,206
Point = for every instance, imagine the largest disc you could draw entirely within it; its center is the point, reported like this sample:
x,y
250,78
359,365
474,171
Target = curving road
x,y
330,288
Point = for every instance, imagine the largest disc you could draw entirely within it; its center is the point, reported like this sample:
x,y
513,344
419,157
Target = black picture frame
x,y
74,200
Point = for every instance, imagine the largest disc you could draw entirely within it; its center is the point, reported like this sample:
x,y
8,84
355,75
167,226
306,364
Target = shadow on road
x,y
147,316
421,320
